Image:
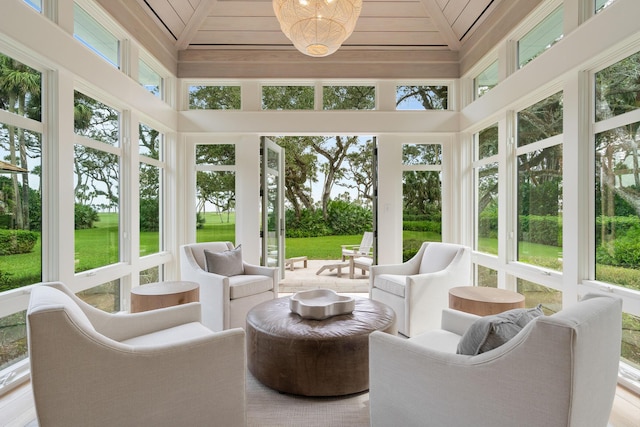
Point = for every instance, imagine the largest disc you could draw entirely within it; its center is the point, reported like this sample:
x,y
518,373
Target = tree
x,y
97,172
430,97
20,94
214,97
422,190
359,173
300,172
149,146
349,97
618,92
335,155
216,187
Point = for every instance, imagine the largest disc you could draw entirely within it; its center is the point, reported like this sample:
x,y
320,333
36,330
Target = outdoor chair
x,y
364,249
156,368
360,257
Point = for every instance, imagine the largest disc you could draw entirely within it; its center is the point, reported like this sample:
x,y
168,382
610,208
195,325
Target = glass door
x,y
272,192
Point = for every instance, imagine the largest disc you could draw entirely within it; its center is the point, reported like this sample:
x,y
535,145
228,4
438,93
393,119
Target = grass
x,y
21,269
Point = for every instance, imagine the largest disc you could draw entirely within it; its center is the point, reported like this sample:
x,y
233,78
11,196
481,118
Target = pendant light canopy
x,y
317,27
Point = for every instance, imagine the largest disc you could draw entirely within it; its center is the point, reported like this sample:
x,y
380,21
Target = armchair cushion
x,y
226,263
181,333
244,285
490,332
392,283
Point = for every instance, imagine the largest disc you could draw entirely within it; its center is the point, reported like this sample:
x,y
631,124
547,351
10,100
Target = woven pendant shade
x,y
317,27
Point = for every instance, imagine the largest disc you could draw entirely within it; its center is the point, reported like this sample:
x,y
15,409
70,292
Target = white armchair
x,y
159,367
558,371
226,300
418,289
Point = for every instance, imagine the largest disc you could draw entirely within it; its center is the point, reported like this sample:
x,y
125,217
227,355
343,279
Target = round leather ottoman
x,y
327,357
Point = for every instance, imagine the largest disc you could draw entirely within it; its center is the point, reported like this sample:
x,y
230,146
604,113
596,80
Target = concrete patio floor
x,y
303,279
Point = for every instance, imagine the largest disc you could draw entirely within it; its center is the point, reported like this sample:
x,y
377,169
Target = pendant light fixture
x,y
317,27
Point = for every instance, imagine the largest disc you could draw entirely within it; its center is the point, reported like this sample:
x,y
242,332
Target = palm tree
x,y
18,85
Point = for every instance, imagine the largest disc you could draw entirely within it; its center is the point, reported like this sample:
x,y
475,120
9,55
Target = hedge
x,y
14,242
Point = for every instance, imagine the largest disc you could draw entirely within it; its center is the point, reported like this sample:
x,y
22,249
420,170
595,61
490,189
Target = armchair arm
x,y
264,271
426,295
457,321
258,269
214,296
408,268
123,326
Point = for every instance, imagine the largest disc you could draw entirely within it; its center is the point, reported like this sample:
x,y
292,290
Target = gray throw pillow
x,y
490,332
226,263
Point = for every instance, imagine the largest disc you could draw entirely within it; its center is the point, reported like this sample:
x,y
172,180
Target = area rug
x,y
269,408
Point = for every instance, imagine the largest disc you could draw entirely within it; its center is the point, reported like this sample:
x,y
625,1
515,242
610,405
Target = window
x,y
618,88
288,97
349,97
150,146
149,78
534,294
150,275
540,38
539,163
20,202
486,189
36,4
97,183
214,98
106,297
422,97
487,277
215,192
93,35
600,5
617,189
422,196
486,80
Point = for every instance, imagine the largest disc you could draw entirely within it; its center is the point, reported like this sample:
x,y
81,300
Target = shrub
x,y
626,277
149,215
423,226
346,218
410,247
200,221
14,242
310,224
618,224
488,224
85,216
626,249
343,218
545,230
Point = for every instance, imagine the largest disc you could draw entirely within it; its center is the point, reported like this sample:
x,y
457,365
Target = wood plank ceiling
x,y
393,38
383,24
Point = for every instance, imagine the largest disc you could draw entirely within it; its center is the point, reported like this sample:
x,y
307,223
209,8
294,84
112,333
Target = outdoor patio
x,y
306,278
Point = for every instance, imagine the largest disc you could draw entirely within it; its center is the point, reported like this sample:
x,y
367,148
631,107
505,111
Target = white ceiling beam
x,y
434,11
199,16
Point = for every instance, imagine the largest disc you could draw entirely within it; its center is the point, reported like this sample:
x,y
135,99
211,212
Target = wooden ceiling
x,y
383,24
392,38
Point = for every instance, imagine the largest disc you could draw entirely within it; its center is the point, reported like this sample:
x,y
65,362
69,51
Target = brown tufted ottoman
x,y
314,357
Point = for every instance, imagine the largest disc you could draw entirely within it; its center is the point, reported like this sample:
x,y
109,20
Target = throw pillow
x,y
490,332
226,263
